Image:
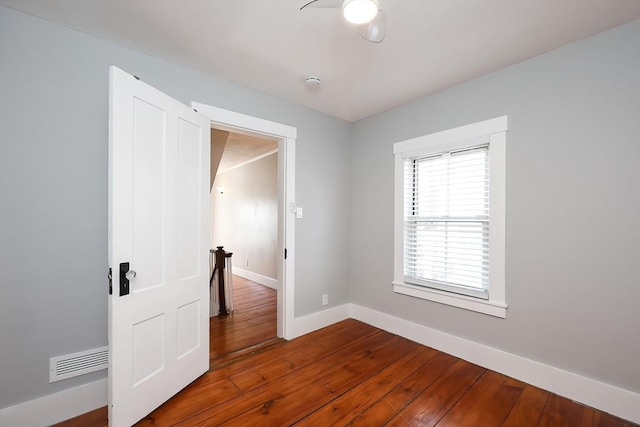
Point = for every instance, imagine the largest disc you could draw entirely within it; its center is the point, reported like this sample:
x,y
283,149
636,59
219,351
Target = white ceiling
x,y
271,46
240,149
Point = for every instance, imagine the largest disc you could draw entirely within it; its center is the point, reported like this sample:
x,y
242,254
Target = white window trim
x,y
496,128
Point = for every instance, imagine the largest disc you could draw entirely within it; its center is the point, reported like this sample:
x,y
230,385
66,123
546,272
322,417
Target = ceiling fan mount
x,y
366,14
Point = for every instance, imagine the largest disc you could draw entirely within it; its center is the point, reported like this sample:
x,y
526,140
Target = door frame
x,y
286,136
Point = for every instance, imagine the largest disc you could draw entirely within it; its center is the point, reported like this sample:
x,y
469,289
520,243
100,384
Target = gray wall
x,y
573,206
244,219
53,192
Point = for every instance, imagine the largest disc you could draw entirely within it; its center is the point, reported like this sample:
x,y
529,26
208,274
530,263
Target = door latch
x,y
110,277
124,279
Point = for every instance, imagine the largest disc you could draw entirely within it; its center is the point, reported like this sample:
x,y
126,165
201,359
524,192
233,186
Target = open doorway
x,y
231,121
244,221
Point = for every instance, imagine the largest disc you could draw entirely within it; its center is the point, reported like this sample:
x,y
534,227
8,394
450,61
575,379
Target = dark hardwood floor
x,y
354,374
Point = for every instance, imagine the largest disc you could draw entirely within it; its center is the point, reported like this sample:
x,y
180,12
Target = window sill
x,y
492,308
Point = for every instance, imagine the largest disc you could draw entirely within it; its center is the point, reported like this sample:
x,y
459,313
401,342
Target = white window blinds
x,y
446,221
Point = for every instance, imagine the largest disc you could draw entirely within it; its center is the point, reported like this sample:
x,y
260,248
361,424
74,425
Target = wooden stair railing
x,y
221,257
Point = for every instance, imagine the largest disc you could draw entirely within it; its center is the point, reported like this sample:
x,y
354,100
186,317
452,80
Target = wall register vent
x,y
72,365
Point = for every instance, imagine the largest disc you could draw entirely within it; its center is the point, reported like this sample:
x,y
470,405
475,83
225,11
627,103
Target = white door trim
x,y
286,135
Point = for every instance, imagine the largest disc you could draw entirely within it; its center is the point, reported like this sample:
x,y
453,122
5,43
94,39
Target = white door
x,y
159,225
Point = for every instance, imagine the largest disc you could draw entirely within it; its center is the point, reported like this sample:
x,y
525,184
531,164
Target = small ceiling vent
x,y
72,365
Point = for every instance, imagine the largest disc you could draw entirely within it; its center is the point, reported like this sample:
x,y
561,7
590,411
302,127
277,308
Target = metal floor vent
x,y
72,365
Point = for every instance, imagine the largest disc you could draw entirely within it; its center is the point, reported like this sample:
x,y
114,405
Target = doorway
x,y
285,136
244,221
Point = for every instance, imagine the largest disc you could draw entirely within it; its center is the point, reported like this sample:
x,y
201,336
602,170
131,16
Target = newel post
x,y
220,261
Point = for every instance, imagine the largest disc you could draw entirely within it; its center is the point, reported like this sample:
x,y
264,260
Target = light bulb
x,y
359,11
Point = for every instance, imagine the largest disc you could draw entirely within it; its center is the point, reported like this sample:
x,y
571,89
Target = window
x,y
449,217
446,220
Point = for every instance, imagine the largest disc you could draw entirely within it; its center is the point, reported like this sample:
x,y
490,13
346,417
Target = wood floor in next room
x,y
351,373
250,326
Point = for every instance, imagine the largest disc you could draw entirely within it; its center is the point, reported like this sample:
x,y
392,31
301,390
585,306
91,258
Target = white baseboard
x,y
314,321
605,397
255,277
56,407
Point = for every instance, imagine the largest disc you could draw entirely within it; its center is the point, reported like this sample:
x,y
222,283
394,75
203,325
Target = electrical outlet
x,y
325,299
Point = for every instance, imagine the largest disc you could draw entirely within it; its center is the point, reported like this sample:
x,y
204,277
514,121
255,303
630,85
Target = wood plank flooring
x,y
249,327
352,374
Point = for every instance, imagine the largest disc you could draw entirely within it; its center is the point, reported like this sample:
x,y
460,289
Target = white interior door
x,y
159,225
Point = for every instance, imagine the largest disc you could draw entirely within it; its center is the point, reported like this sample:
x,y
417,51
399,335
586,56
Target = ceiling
x,y
241,148
271,45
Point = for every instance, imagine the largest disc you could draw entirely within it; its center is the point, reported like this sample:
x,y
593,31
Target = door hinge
x,y
110,277
285,253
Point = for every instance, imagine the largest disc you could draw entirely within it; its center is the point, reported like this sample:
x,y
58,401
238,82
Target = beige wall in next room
x,y
244,218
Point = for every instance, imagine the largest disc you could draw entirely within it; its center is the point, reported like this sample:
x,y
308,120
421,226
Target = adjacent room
x,y
244,221
430,212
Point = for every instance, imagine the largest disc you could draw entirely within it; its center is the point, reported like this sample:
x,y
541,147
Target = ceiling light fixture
x,y
375,29
359,11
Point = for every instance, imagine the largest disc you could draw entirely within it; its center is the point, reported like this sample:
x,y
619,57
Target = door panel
x,y
188,328
159,224
149,148
148,348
